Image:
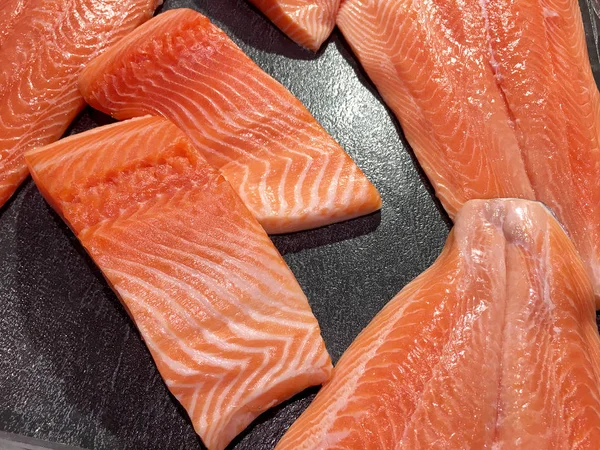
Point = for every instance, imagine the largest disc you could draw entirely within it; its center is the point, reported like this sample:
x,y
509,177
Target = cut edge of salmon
x,y
363,199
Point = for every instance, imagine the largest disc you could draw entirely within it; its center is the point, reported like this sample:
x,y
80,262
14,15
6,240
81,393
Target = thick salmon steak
x,y
288,171
490,94
44,45
307,22
495,346
226,322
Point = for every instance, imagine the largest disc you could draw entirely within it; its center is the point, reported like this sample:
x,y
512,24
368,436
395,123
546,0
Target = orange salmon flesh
x,y
226,322
495,346
283,165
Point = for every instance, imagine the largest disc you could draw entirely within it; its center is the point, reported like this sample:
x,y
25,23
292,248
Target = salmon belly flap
x,y
495,346
307,22
283,165
44,45
225,320
496,98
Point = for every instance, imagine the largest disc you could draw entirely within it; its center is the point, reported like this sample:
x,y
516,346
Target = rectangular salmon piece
x,y
288,171
224,318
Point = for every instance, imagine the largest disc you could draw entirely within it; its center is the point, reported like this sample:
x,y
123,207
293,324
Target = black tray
x,y
74,370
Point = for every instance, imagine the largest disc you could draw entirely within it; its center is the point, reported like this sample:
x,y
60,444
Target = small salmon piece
x,y
44,45
307,22
495,346
284,166
226,322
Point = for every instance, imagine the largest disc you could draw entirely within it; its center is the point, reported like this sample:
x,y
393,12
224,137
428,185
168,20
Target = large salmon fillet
x,y
428,63
495,346
307,22
44,45
288,171
543,69
226,322
457,73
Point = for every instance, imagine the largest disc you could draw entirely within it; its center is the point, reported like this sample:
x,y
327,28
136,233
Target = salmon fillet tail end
x,y
227,324
494,346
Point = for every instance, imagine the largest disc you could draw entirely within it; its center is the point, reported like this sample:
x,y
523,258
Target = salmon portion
x,y
44,45
307,22
287,170
495,346
429,63
226,322
543,69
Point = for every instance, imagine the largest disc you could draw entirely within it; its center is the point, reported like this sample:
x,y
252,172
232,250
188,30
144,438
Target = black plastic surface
x,y
74,370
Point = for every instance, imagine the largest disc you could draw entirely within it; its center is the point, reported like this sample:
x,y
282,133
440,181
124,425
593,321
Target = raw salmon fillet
x,y
288,171
307,22
44,45
226,322
444,67
543,69
428,62
10,10
495,346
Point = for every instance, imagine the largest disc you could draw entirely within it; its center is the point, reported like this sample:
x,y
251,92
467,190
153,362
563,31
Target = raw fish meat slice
x,y
10,10
288,171
428,63
226,322
495,346
543,69
44,44
307,22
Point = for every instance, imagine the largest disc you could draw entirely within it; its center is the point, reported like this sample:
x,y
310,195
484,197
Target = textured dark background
x,y
73,369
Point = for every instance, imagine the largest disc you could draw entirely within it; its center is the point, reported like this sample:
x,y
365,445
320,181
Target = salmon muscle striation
x,y
287,170
224,318
44,45
495,346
